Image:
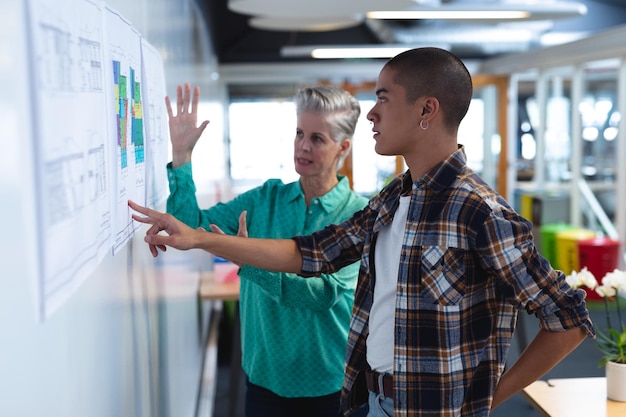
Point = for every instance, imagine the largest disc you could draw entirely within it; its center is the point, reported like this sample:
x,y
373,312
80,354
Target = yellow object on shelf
x,y
567,248
548,246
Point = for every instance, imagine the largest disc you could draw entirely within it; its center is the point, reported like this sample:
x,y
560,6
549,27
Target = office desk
x,y
212,291
209,290
573,397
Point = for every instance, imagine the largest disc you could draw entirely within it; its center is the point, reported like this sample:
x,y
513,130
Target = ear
x,y
429,107
344,146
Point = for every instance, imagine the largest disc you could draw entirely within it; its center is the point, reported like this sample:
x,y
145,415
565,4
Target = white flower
x,y
606,291
584,278
617,281
611,341
613,283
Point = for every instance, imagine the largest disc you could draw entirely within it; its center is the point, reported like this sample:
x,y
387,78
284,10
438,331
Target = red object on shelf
x,y
600,255
225,271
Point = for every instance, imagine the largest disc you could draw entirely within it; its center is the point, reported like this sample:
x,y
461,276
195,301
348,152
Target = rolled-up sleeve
x,y
332,248
508,250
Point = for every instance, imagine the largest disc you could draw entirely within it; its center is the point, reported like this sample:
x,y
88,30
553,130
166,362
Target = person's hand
x,y
184,133
179,235
243,230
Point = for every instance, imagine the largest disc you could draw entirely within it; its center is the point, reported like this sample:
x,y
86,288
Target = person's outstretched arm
x,y
280,255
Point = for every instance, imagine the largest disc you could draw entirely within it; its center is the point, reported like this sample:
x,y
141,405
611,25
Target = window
x,y
261,135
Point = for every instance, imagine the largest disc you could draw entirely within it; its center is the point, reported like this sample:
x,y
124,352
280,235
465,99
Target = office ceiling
x,y
247,38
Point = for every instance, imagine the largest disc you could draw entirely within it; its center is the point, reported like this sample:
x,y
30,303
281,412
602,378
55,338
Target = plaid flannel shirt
x,y
468,263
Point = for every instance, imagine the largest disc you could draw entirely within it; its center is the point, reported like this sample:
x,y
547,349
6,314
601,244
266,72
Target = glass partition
x,y
567,126
260,145
370,170
600,118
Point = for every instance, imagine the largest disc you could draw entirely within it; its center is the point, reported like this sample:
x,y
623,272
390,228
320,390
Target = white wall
x,y
128,341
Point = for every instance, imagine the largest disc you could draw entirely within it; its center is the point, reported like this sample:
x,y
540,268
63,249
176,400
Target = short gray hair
x,y
342,106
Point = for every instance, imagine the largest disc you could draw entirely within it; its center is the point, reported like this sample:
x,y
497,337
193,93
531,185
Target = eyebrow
x,y
314,133
381,90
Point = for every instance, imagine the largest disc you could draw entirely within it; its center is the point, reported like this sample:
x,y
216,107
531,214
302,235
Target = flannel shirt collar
x,y
441,176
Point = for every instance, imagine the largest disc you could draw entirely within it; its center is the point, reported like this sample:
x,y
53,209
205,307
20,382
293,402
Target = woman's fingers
x,y
152,216
243,230
195,99
154,241
168,106
186,98
216,229
179,99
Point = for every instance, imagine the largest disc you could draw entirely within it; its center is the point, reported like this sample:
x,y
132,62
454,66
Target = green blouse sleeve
x,y
183,204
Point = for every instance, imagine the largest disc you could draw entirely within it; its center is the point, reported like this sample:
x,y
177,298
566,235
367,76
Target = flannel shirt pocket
x,y
443,274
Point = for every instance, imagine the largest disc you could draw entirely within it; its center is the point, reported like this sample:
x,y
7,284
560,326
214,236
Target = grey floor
x,y
583,362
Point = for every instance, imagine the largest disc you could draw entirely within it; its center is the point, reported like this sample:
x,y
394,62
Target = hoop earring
x,y
423,125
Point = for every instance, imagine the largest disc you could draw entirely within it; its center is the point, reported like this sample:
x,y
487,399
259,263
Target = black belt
x,y
372,378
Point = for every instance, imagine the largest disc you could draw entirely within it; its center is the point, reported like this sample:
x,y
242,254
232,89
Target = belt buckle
x,y
380,382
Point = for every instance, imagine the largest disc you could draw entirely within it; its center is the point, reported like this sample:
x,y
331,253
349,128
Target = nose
x,y
305,144
371,115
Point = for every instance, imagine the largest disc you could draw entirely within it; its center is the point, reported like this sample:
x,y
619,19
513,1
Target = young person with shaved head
x,y
446,263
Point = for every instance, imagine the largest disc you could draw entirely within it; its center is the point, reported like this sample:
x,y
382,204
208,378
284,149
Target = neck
x,y
317,186
422,160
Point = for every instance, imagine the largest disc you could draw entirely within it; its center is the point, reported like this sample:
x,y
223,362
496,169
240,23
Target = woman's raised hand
x,y
184,133
242,232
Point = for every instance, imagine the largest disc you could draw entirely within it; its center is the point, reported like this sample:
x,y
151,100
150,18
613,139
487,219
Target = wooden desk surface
x,y
211,290
573,397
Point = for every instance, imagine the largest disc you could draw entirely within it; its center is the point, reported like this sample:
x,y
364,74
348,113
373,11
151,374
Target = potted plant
x,y
611,341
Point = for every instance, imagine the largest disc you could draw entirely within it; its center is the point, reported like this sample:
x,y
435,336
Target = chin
x,y
302,170
381,151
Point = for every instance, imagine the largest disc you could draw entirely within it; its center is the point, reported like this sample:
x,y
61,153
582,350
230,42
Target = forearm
x,y
279,255
180,157
545,351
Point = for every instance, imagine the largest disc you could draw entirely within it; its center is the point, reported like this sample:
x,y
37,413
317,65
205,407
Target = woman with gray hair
x,y
341,109
294,330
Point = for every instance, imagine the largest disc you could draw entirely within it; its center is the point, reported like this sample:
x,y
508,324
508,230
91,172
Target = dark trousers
x,y
261,402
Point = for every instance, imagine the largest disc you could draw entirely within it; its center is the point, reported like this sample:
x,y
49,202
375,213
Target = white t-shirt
x,y
380,341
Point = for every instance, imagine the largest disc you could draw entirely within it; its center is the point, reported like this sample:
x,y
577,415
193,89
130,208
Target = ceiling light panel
x,y
317,8
357,52
303,24
351,51
449,14
505,10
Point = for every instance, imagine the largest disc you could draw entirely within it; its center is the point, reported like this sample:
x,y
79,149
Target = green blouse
x,y
293,330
